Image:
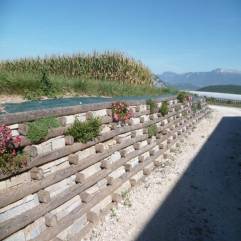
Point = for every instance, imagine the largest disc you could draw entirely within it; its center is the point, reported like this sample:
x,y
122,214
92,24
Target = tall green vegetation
x,y
104,66
109,74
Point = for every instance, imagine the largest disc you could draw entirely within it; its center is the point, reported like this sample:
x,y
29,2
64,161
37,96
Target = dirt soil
x,y
194,196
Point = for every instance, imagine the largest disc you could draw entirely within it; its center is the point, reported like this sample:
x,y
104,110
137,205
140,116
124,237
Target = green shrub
x,y
11,164
194,108
152,130
177,108
85,131
164,108
153,106
38,130
45,88
182,96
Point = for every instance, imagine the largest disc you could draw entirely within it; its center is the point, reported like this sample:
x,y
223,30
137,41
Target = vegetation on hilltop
x,y
107,74
107,66
230,89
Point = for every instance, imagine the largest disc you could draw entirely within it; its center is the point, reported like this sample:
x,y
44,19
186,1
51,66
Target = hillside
x,y
196,80
107,74
230,89
106,66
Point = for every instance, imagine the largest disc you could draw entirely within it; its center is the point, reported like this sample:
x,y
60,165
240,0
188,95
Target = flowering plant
x,y
9,150
120,112
8,144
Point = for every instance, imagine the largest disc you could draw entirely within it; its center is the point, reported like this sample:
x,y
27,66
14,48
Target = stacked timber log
x,y
66,186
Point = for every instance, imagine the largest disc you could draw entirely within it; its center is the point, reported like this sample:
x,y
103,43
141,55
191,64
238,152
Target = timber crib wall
x,y
67,187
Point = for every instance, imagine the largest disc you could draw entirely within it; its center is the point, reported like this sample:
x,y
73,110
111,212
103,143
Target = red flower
x,y
7,141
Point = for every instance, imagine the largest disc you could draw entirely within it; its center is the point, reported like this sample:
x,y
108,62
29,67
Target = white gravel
x,y
125,222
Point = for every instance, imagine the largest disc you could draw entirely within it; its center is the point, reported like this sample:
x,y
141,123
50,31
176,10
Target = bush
x,y
182,96
45,88
11,158
85,131
12,163
38,130
153,106
120,112
164,108
152,130
194,108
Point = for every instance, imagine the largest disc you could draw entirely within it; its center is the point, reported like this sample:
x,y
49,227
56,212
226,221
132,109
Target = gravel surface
x,y
195,196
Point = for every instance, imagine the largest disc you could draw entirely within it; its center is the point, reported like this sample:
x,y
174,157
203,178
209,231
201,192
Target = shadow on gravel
x,y
206,202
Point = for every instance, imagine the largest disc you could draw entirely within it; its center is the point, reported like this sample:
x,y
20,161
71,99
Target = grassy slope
x,y
231,89
107,74
102,66
23,84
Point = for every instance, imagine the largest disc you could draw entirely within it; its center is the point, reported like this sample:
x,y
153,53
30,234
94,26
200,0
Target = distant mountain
x,y
196,80
230,89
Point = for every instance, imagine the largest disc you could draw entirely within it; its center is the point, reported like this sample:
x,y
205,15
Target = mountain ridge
x,y
197,80
229,89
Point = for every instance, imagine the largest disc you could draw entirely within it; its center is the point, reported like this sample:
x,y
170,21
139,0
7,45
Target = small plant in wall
x,y
85,131
164,108
11,157
38,130
153,106
126,198
152,130
194,108
120,112
183,97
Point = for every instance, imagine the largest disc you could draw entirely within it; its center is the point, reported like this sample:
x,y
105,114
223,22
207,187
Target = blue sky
x,y
180,35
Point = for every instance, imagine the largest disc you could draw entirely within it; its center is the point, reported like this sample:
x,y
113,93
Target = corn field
x,y
109,66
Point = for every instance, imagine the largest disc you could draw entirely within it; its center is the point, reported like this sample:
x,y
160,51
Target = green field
x,y
230,89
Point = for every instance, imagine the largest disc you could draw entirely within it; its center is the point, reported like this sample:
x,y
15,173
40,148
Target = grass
x,y
30,85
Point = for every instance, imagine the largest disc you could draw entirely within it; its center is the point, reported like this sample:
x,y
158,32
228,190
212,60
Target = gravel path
x,y
195,197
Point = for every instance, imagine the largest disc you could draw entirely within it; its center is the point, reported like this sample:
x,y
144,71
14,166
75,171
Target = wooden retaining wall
x,y
67,187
